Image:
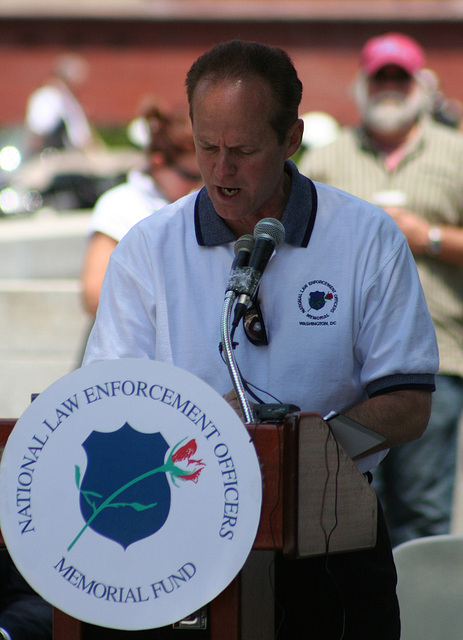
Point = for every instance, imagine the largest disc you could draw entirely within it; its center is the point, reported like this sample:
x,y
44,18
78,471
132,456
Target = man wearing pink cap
x,y
392,49
411,166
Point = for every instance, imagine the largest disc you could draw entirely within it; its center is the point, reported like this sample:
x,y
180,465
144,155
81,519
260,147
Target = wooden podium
x,y
315,501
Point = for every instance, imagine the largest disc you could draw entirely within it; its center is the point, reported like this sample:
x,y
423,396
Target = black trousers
x,y
347,595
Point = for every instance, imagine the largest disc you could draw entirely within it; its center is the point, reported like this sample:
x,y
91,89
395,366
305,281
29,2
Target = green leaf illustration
x,y
92,493
77,476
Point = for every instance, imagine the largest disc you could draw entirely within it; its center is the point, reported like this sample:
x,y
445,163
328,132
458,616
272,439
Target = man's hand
x,y
233,401
414,228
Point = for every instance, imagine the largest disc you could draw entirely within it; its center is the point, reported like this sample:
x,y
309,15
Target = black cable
x,y
336,522
249,385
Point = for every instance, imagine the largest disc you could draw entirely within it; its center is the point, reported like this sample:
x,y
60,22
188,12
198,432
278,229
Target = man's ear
x,y
294,137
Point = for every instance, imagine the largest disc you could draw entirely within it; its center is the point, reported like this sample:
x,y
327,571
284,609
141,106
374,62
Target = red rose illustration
x,y
182,455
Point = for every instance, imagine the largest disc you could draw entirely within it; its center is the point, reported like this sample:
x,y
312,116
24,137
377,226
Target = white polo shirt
x,y
341,300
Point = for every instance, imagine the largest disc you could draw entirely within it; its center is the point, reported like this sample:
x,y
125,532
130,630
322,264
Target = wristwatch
x,y
434,241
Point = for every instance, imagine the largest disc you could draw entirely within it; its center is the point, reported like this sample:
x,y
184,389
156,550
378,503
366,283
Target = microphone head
x,y
245,243
270,229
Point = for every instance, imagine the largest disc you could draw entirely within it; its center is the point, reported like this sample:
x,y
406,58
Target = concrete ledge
x,y
46,245
43,330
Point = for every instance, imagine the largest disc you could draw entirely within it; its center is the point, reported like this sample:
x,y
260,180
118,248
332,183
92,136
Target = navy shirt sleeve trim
x,y
401,382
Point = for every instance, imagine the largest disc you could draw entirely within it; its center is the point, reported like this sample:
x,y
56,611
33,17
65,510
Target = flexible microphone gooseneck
x,y
252,254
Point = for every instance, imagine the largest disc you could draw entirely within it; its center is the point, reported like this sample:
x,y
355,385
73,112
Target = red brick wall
x,y
132,58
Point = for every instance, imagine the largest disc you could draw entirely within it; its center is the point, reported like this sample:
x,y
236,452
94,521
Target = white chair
x,y
430,587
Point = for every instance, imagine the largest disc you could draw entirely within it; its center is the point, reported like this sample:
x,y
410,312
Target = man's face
x,y
390,101
240,159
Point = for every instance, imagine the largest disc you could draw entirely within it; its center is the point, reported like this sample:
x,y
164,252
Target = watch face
x,y
435,241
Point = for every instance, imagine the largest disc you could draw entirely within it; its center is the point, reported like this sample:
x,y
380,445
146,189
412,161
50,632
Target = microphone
x,y
269,233
243,249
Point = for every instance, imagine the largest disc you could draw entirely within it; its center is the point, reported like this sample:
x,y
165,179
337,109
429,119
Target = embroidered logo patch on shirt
x,y
318,301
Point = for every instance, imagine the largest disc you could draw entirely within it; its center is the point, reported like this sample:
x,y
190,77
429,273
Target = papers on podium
x,y
354,437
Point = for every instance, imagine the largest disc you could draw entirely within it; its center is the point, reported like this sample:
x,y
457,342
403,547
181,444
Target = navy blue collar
x,y
298,217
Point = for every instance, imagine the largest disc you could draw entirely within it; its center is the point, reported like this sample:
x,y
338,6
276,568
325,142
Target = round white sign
x,y
130,494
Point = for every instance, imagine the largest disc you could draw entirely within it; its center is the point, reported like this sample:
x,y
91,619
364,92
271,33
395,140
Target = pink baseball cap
x,y
392,48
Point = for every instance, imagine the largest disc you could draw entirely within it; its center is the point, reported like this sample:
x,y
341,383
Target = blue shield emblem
x,y
317,300
125,494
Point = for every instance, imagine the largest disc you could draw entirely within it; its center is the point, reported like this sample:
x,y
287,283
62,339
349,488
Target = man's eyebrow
x,y
243,145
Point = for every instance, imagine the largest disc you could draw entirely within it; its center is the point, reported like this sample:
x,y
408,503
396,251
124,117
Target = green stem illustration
x,y
168,467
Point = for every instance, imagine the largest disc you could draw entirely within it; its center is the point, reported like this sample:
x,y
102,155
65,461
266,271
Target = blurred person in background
x,y
170,172
401,159
54,116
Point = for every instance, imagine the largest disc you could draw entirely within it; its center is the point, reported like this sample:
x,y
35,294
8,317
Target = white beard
x,y
389,111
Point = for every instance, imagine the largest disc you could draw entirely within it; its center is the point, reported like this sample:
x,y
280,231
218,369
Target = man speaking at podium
x,y
342,323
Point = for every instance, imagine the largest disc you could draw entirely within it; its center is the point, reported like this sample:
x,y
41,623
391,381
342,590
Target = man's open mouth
x,y
229,192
